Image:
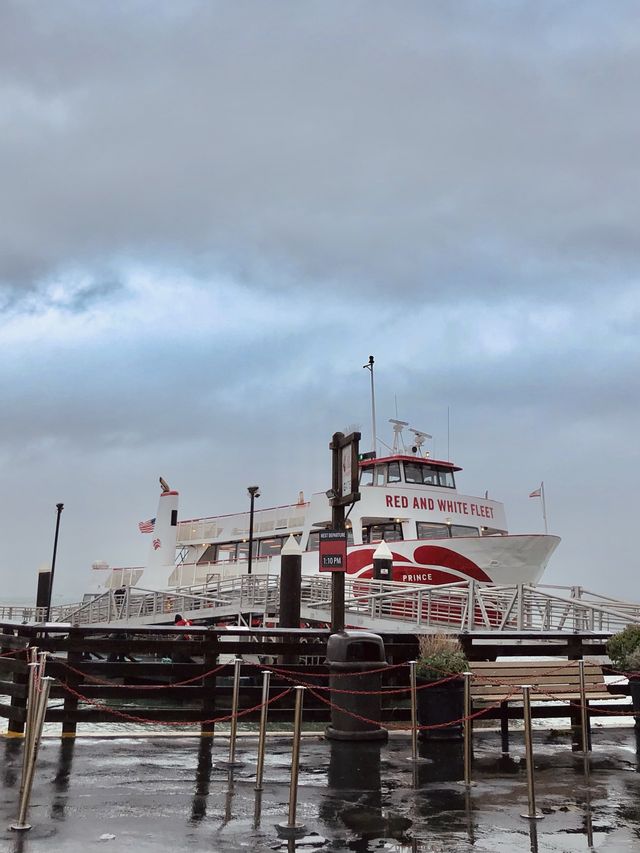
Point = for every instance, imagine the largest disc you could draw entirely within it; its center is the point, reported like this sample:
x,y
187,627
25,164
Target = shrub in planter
x,y
440,656
623,649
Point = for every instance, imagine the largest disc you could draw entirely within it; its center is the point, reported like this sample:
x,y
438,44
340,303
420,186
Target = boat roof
x,y
424,460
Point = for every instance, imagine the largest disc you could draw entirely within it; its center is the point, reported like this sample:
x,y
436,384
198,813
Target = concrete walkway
x,y
166,794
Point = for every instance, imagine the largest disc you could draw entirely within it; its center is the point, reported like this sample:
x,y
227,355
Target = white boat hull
x,y
489,559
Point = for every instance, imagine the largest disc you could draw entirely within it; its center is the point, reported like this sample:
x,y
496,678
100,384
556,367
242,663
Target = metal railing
x,y
460,606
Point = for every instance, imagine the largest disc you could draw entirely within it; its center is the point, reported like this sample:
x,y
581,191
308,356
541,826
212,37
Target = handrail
x,y
456,606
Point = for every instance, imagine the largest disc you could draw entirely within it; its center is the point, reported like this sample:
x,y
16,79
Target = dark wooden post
x,y
44,587
290,577
74,658
337,523
18,704
210,660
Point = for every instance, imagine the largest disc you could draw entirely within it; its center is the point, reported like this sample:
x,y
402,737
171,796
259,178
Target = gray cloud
x,y
212,213
439,150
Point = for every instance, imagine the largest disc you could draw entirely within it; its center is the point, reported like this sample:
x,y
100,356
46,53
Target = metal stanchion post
x,y
232,763
291,829
234,718
266,678
32,701
41,710
415,758
533,815
584,711
468,730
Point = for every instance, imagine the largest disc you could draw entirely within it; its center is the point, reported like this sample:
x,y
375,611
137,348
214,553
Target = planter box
x,y
438,705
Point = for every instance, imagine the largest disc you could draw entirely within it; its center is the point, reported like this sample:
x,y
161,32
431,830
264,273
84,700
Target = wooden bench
x,y
500,684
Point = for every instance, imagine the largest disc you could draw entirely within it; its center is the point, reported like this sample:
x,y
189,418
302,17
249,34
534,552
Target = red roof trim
x,y
367,463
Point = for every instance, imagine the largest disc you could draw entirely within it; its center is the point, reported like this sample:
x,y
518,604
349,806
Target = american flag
x,y
147,526
156,544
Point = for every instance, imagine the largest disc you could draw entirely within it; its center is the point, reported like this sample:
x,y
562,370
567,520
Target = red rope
x,y
103,681
145,721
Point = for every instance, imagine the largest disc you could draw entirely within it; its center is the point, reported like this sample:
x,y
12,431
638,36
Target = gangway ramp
x,y
383,606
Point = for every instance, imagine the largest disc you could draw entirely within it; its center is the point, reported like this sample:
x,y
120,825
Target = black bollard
x,y
383,563
44,585
290,574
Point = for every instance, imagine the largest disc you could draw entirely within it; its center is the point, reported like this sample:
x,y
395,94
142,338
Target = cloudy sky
x,y
214,212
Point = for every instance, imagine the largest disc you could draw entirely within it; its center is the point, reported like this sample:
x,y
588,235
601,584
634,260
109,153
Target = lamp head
x,y
254,491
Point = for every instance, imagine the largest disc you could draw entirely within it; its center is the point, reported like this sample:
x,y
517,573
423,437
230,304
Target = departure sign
x,y
333,551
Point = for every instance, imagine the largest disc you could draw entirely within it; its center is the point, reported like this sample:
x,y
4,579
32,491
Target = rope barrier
x,y
578,705
145,720
107,683
13,652
475,715
278,670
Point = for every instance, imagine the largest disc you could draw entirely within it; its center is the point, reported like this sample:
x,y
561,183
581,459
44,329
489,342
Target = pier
x,y
173,676
191,748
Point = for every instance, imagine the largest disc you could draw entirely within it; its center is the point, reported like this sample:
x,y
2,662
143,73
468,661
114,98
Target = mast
x,y
369,367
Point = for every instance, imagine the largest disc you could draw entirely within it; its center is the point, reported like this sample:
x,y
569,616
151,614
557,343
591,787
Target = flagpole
x,y
544,507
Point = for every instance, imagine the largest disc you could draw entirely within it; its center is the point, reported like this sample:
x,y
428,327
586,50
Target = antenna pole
x,y
544,507
448,434
369,367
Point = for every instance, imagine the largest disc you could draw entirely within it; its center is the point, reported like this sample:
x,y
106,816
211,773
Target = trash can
x,y
356,660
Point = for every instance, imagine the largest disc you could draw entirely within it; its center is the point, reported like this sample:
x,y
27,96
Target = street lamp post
x,y
254,492
59,507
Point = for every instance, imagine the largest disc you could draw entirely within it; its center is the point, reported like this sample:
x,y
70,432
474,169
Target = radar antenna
x,y
419,441
398,443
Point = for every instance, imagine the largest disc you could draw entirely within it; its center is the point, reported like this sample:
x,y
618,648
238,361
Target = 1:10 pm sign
x,y
333,551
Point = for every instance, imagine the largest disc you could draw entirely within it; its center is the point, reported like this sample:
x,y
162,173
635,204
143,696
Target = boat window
x,y
227,552
210,555
243,549
446,479
412,472
381,475
366,476
270,547
390,532
428,530
430,476
463,530
393,475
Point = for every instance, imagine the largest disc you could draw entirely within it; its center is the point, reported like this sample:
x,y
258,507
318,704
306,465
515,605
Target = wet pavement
x,y
167,794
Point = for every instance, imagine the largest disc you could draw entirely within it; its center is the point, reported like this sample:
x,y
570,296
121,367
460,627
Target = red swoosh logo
x,y
424,555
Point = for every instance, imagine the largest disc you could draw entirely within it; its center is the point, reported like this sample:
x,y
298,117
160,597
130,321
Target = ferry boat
x,y
408,499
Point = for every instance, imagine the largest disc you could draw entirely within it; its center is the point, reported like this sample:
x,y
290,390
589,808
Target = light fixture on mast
x,y
419,440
